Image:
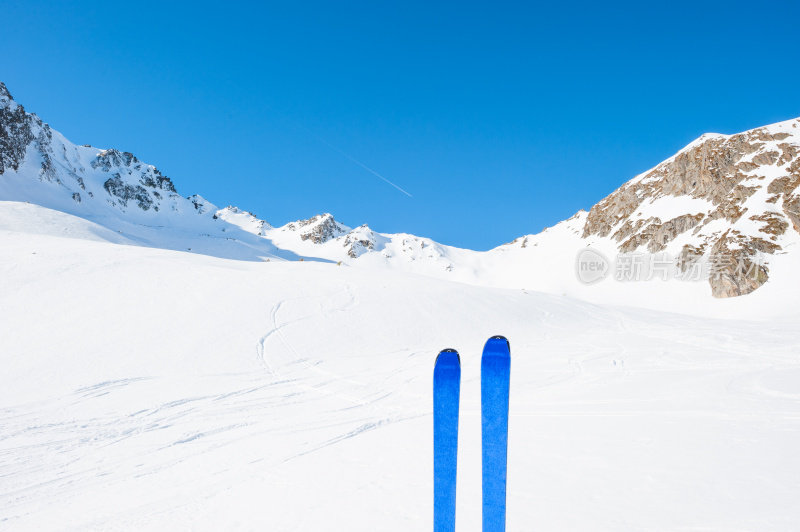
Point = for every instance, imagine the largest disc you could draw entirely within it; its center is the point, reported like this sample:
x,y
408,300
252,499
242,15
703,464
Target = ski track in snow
x,y
147,410
73,452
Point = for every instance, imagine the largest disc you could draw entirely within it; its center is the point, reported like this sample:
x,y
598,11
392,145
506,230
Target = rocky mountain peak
x,y
731,196
318,229
5,96
359,241
18,129
113,176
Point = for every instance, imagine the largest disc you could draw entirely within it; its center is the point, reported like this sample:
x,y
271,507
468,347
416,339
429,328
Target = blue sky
x,y
498,118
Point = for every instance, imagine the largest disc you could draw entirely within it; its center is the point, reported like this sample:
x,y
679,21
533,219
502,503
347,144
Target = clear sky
x,y
498,118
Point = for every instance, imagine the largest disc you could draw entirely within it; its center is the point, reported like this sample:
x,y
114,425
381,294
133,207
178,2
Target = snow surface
x,y
153,389
176,366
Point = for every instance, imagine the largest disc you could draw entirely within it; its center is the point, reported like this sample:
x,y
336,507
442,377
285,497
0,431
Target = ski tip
x,y
448,356
497,345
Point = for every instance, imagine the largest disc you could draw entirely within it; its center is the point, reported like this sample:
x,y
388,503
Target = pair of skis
x,y
495,373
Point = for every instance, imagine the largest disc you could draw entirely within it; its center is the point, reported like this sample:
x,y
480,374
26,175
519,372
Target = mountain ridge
x,y
732,196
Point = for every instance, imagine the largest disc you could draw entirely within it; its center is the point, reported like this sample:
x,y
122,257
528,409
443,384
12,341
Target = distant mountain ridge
x,y
731,195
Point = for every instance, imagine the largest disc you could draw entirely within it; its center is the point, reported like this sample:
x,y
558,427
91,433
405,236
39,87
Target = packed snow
x,y
152,389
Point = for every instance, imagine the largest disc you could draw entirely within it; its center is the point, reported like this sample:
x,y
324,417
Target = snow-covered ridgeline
x,y
732,195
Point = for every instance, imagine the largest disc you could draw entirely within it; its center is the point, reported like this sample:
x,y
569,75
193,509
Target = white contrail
x,y
362,165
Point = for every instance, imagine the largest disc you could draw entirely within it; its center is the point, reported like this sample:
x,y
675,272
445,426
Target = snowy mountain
x,y
149,382
243,219
734,196
726,205
113,191
726,202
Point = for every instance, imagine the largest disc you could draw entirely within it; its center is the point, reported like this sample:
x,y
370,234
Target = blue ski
x,y
495,373
446,388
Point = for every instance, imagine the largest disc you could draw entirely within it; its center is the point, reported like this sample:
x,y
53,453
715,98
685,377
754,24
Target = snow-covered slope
x,y
148,389
243,219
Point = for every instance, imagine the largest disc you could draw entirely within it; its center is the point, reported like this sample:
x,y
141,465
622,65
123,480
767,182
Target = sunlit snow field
x,y
158,390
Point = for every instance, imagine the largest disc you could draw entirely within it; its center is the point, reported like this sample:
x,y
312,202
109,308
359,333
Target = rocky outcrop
x,y
318,229
114,160
791,207
86,174
124,192
735,268
359,241
24,137
142,182
653,233
20,131
16,132
728,174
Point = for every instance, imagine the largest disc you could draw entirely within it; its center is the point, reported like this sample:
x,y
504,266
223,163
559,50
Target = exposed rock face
x,y
740,193
141,183
652,233
318,229
115,186
735,272
15,131
118,178
149,176
791,206
20,130
359,241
